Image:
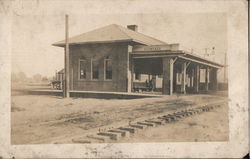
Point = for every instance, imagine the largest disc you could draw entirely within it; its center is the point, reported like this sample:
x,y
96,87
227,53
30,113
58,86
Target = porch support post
x,y
197,78
154,82
168,69
130,70
214,79
184,74
206,79
192,79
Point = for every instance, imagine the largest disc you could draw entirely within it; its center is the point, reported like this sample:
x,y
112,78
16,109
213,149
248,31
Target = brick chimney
x,y
132,27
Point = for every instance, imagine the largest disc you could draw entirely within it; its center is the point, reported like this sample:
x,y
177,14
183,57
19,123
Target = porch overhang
x,y
179,54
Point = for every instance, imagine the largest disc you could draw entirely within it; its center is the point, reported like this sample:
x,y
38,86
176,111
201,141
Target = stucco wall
x,y
118,52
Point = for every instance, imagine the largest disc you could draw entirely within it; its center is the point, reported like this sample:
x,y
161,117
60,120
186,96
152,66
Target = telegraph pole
x,y
66,60
213,53
206,54
225,67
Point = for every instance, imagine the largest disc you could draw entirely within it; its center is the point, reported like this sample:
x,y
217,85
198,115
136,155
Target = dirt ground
x,y
52,119
208,126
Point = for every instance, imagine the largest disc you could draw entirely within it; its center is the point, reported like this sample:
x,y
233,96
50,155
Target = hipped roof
x,y
111,33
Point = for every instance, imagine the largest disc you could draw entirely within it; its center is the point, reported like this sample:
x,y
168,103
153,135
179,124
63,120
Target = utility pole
x,y
210,54
213,53
206,54
55,75
225,68
66,60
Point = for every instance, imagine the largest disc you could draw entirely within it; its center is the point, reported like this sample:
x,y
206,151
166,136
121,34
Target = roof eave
x,y
141,42
206,60
93,42
59,45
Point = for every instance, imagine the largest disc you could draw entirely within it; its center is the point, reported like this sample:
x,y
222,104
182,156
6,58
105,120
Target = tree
x,y
37,78
14,77
21,76
45,79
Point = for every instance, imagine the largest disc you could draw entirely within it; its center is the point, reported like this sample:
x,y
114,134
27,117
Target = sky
x,y
33,34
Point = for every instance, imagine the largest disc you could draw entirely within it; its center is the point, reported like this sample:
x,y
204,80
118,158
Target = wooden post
x,y
168,68
132,74
183,82
66,60
214,79
129,70
197,79
171,77
72,75
153,82
192,79
206,79
225,68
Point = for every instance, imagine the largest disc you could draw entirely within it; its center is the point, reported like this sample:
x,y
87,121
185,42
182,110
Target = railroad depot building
x,y
119,59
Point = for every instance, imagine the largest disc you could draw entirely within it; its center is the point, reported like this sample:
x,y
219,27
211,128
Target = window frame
x,y
107,59
179,78
137,75
202,79
79,70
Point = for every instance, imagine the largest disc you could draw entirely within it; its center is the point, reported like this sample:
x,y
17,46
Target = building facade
x,y
119,59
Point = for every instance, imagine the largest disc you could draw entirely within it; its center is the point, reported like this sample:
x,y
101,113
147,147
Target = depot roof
x,y
111,33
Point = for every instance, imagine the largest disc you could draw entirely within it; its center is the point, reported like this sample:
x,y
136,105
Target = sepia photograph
x,y
116,84
93,76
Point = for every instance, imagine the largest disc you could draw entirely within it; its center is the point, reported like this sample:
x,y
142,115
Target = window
x,y
178,78
95,69
137,76
82,69
202,75
208,76
108,69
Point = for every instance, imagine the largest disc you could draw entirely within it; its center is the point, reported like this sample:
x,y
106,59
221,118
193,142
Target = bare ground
x,y
208,126
51,119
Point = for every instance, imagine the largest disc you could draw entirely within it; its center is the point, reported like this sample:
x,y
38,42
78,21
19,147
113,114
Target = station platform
x,y
96,94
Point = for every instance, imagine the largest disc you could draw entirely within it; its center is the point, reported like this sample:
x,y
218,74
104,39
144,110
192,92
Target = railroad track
x,y
115,134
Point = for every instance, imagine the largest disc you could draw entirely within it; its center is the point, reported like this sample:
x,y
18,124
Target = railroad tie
x,y
138,126
130,129
159,122
190,113
205,109
113,136
102,139
122,132
172,117
178,115
199,110
117,133
82,141
168,118
184,114
147,124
